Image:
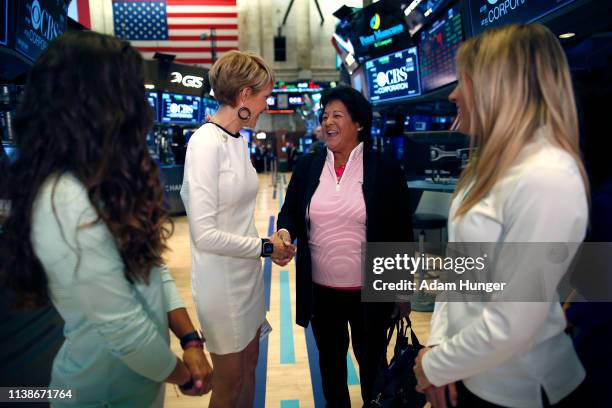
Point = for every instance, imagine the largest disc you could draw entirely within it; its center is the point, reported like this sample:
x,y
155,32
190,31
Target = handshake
x,y
284,250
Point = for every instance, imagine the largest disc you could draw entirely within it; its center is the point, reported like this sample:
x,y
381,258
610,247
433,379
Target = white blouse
x,y
506,352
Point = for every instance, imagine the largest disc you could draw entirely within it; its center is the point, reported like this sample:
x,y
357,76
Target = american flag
x,y
176,26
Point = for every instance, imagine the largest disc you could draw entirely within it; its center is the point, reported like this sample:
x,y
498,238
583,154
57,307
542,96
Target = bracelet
x,y
193,336
194,343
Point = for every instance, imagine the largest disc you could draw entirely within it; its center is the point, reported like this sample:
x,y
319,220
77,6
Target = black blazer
x,y
388,216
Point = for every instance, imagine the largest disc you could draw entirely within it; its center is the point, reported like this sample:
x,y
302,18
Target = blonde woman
x,y
219,190
526,184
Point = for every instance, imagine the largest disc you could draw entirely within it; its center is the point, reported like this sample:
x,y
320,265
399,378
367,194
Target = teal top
x,y
117,349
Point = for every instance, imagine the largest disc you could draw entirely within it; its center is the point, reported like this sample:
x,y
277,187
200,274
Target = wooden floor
x,y
287,385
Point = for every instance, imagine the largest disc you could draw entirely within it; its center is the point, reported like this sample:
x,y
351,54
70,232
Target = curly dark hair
x,y
357,106
84,112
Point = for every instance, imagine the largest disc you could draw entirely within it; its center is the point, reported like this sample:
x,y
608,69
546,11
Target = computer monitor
x,y
427,154
177,108
438,44
393,77
152,97
11,152
210,106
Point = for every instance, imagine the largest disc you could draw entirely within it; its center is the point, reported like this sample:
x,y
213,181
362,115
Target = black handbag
x,y
395,385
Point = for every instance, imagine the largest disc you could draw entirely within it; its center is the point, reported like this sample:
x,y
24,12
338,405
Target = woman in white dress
x,y
526,184
219,191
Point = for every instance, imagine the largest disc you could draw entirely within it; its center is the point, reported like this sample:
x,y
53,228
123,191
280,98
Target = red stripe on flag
x,y
197,38
201,3
203,26
215,15
83,11
194,60
185,49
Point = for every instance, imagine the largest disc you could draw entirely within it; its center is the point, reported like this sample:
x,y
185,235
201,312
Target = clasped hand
x,y
200,370
284,250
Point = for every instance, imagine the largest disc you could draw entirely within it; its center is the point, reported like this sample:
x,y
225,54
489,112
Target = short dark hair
x,y
357,106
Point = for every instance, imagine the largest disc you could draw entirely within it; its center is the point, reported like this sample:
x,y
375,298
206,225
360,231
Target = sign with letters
x,y
487,14
38,23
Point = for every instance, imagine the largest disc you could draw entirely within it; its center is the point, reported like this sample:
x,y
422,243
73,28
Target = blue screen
x,y
394,76
209,107
486,15
438,44
180,108
11,152
152,98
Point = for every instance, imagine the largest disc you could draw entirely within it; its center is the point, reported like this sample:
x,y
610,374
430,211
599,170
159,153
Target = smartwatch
x,y
267,248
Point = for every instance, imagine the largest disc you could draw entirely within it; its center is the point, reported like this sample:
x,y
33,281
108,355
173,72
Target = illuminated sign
x,y
394,76
180,108
494,13
189,81
38,23
4,20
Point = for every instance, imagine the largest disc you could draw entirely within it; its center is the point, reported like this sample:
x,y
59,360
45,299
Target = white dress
x,y
219,191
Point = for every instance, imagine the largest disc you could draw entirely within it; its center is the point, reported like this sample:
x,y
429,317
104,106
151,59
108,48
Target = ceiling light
x,y
567,35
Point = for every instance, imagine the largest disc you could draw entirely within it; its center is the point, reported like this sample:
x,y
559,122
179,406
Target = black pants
x,y
333,311
466,399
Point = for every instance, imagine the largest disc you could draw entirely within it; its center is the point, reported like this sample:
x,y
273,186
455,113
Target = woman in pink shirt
x,y
338,198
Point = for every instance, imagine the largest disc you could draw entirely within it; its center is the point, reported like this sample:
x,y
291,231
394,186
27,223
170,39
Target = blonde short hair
x,y
237,70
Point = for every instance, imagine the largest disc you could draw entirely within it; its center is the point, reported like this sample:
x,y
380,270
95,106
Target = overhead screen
x,y
394,76
152,98
487,14
180,108
438,45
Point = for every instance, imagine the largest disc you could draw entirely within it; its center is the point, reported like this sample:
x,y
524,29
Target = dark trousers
x,y
334,310
465,399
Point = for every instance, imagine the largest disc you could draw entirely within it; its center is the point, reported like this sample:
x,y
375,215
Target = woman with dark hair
x,y
338,198
87,228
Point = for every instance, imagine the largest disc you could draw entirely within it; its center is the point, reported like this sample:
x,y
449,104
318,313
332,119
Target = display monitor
x,y
210,106
394,76
438,45
11,152
152,97
37,24
419,12
487,14
177,108
427,154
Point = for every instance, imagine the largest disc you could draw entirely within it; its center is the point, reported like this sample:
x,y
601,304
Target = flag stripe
x,y
203,26
200,9
183,44
184,50
83,12
218,38
203,15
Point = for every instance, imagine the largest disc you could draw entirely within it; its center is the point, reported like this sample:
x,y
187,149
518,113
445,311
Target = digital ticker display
x,y
177,108
394,76
438,44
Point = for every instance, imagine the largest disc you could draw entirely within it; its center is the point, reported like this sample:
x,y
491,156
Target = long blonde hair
x,y
520,81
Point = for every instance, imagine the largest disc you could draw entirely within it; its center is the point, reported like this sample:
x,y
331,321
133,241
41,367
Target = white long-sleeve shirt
x,y
506,352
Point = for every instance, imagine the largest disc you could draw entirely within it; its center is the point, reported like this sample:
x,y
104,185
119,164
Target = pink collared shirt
x,y
338,224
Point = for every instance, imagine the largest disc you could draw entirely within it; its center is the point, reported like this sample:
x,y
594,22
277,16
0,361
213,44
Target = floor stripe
x,y
353,379
290,404
268,267
261,372
287,351
315,374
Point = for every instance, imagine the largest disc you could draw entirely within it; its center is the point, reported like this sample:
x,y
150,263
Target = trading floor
x,y
288,371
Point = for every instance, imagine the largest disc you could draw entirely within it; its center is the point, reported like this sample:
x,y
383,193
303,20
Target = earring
x,y
244,113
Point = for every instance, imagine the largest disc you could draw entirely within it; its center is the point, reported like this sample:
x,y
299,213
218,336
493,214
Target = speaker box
x,y
280,43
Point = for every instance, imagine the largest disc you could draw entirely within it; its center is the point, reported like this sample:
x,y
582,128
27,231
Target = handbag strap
x,y
402,328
